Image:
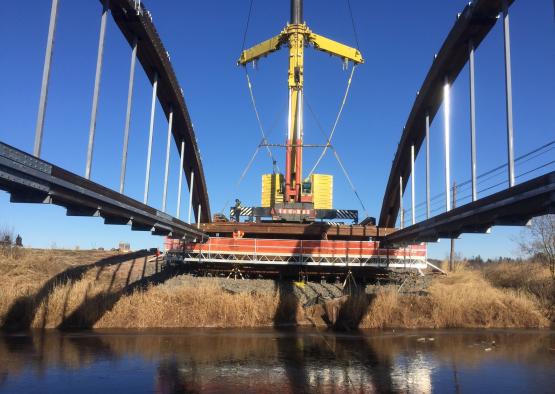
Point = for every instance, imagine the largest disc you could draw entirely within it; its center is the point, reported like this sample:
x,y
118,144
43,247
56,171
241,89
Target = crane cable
x,y
247,26
339,161
273,127
349,180
328,142
251,92
264,139
243,174
353,23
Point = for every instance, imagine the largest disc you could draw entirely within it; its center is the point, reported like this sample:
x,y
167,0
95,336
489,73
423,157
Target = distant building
x,y
124,247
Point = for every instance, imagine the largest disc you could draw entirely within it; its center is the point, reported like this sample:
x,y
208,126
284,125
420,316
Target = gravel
x,y
307,293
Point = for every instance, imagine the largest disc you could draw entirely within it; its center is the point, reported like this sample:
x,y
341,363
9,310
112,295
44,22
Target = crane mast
x,y
294,148
296,35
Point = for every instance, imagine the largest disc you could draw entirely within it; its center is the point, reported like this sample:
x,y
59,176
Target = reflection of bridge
x,y
30,179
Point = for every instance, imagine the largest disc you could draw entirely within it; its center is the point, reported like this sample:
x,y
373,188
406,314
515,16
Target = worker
x,y
237,210
238,234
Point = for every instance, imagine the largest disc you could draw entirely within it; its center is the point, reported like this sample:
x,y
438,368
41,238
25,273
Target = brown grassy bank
x,y
463,299
91,289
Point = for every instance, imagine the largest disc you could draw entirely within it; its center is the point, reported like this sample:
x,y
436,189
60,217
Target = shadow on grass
x,y
92,309
22,312
286,311
348,311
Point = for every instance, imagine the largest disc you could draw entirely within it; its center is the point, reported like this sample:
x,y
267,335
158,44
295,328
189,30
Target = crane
x,y
292,195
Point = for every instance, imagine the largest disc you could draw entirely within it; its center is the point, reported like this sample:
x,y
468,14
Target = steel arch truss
x,y
136,23
472,25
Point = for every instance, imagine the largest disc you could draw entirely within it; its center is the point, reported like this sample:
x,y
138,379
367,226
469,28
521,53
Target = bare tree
x,y
6,236
539,241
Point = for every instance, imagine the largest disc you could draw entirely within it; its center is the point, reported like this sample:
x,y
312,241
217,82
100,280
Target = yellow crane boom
x,y
297,35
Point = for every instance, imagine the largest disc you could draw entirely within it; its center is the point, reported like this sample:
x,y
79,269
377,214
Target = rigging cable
x,y
243,174
353,23
249,84
339,161
264,139
247,26
328,143
248,166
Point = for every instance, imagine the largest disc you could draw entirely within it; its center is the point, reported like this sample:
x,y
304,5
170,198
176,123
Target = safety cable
x,y
493,173
321,129
328,143
468,196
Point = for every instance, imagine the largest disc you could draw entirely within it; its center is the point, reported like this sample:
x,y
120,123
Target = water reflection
x,y
299,361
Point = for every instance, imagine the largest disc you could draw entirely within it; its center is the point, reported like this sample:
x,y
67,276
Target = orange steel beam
x,y
314,230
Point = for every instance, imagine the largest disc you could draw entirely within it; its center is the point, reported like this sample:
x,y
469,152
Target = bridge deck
x,y
31,180
511,207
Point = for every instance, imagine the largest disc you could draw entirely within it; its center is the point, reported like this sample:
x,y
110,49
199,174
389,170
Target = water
x,y
271,361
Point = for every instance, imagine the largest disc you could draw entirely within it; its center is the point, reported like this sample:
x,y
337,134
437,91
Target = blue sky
x,y
397,39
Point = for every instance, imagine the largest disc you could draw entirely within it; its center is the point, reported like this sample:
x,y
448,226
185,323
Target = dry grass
x,y
531,278
35,282
462,299
70,289
119,295
203,306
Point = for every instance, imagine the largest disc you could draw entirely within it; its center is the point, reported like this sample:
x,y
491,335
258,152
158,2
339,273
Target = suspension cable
x,y
328,143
